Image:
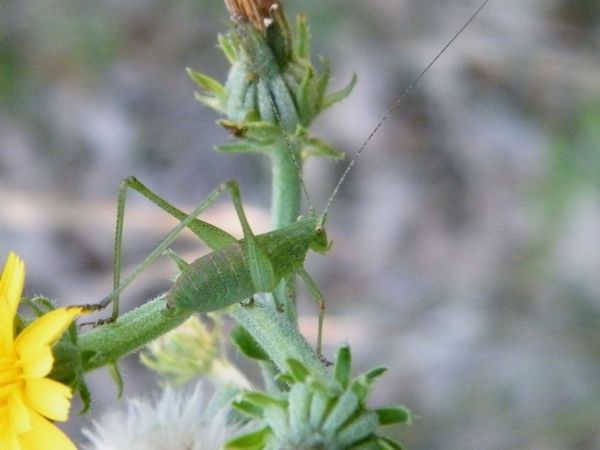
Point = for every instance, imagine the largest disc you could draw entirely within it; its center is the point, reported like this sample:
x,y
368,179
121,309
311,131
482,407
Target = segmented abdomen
x,y
213,281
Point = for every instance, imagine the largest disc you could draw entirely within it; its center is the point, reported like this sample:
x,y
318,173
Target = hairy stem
x,y
278,336
108,343
285,206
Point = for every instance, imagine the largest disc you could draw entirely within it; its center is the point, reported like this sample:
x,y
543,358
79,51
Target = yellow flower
x,y
29,401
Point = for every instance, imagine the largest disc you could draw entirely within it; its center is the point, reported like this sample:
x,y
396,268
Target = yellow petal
x,y
45,436
20,414
9,374
45,330
12,281
49,398
6,328
37,363
8,437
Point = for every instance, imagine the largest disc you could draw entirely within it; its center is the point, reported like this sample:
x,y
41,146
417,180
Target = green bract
x,y
316,415
67,368
273,92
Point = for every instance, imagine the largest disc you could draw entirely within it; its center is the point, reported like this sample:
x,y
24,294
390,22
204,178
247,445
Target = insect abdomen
x,y
213,281
222,278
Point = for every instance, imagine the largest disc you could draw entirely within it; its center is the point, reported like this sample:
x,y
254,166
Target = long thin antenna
x,y
397,103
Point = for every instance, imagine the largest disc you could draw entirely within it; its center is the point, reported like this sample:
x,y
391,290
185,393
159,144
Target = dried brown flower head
x,y
258,12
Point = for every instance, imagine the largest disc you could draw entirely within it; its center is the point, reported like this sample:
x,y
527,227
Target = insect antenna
x,y
397,103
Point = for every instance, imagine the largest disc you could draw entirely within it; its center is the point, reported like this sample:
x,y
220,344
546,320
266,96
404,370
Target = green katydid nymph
x,y
237,270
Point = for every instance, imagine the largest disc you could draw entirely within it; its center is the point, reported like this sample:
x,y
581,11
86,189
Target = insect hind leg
x,y
118,286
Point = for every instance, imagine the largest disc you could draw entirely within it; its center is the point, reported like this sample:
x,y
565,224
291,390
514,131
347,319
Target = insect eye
x,y
319,230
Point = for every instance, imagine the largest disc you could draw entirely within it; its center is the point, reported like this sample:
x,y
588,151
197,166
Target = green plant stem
x,y
285,206
108,343
278,336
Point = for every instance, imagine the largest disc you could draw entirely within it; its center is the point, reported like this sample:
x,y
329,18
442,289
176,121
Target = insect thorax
x,y
287,247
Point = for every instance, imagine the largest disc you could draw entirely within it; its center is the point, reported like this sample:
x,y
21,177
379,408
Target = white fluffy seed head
x,y
176,418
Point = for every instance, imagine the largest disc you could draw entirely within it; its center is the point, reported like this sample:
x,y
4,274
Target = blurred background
x,y
467,240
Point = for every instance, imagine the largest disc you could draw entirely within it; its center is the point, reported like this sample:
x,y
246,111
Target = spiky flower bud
x,y
313,415
273,92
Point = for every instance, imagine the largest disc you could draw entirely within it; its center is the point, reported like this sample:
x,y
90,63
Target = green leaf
x,y
67,368
343,362
361,387
304,95
252,441
372,374
278,421
318,147
263,400
319,405
302,41
248,408
229,48
388,444
40,304
265,132
283,99
247,344
85,395
320,87
299,400
239,147
357,430
115,372
286,378
237,129
254,132
297,370
346,405
237,87
340,95
371,443
394,414
207,83
211,102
